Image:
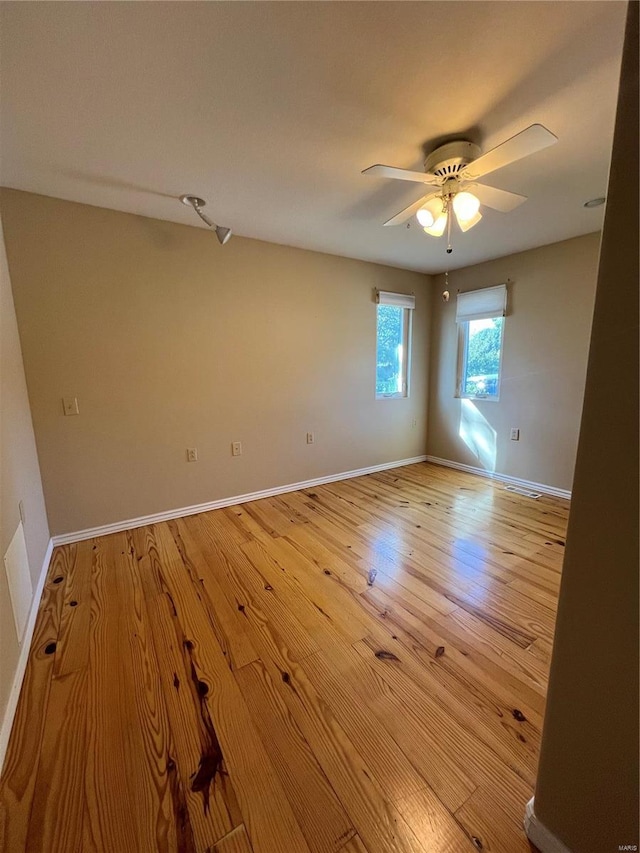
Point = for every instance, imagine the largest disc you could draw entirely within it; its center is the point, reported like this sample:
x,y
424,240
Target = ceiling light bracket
x,y
223,234
196,203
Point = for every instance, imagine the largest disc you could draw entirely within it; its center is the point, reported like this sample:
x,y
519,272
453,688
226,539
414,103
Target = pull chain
x,y
445,292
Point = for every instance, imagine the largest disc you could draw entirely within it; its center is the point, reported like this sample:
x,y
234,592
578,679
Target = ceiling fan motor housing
x,y
449,159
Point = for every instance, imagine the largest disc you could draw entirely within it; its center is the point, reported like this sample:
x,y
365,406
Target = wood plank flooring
x,y
355,668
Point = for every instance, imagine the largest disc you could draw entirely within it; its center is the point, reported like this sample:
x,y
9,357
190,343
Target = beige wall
x,y
546,339
587,789
19,475
171,341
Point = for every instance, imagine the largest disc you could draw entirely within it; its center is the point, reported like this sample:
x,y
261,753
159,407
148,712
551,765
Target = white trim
x,y
503,478
538,834
25,647
130,523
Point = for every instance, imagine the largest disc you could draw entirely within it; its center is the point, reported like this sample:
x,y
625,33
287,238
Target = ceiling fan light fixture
x,y
458,164
425,217
465,206
437,229
466,224
428,214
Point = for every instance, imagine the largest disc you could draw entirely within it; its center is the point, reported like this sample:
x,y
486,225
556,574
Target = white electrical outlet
x,y
192,454
515,434
311,438
70,406
236,448
414,423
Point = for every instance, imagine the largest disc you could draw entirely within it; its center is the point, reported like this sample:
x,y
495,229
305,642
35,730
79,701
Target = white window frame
x,y
488,303
407,331
463,346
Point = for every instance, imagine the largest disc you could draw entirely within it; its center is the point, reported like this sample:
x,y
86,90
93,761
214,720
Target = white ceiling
x,y
271,110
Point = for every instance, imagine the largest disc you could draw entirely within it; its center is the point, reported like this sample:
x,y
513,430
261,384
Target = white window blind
x,y
482,304
400,300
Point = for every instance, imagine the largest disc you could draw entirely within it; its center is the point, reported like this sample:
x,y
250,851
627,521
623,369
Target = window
x,y
481,351
480,318
393,344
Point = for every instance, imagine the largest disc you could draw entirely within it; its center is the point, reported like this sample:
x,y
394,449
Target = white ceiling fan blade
x,y
380,171
497,199
529,141
408,212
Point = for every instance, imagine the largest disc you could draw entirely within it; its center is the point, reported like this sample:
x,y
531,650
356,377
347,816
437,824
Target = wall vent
x,y
16,564
525,492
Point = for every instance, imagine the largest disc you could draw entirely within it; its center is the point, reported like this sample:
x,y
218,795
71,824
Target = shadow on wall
x,y
478,435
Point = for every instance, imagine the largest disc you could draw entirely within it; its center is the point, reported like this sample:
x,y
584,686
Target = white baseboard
x,y
538,834
25,647
131,523
503,478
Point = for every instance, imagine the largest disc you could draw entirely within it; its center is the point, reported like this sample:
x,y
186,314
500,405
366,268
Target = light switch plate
x,y
70,405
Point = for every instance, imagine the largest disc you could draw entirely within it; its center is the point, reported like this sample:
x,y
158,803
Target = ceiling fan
x,y
452,170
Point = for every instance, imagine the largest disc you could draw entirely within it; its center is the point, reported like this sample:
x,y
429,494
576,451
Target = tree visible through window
x,y
392,346
481,355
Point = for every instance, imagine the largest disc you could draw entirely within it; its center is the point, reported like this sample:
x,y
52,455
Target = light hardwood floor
x,y
359,667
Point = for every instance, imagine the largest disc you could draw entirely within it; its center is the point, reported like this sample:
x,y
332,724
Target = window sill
x,y
391,396
487,398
